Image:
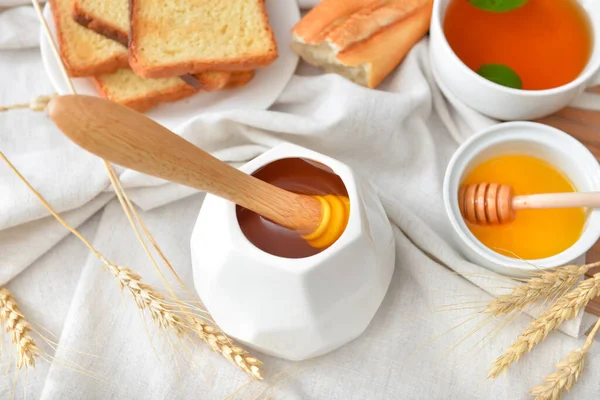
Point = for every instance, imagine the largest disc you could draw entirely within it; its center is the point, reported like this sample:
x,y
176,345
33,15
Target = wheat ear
x,y
166,317
548,284
146,298
567,372
220,343
19,329
565,308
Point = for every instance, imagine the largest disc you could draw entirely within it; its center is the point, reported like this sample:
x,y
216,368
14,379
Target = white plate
x,y
259,94
15,3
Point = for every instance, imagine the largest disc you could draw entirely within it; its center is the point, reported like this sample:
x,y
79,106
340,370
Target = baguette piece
x,y
362,42
84,52
327,16
190,36
109,18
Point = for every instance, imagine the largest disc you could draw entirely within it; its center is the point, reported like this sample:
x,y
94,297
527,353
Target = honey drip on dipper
x,y
299,176
132,140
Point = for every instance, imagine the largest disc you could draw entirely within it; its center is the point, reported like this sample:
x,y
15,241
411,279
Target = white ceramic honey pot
x,y
294,308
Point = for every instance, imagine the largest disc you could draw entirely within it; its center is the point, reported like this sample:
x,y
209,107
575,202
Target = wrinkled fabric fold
x,y
398,137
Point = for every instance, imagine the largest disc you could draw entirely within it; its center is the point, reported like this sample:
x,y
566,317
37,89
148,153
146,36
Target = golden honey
x,y
534,234
296,175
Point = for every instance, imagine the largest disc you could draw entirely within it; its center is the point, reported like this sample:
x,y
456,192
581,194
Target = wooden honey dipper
x,y
492,203
132,140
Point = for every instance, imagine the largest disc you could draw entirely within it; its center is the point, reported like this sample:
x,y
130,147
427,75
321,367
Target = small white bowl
x,y
529,138
294,308
498,101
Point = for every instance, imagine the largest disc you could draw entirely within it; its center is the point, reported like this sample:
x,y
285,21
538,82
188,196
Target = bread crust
x,y
110,65
169,70
209,81
212,81
323,15
366,45
387,48
370,20
193,66
145,103
238,79
99,25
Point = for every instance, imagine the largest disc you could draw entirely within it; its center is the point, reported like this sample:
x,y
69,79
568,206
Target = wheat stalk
x,y
144,295
38,104
147,298
216,339
565,308
19,329
548,284
233,353
567,372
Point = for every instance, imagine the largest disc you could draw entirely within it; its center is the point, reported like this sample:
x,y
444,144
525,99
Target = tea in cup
x,y
506,64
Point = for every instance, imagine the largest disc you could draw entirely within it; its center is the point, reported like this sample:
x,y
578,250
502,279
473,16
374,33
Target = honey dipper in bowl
x,y
132,140
493,203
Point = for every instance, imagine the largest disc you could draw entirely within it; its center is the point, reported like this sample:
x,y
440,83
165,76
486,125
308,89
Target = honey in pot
x,y
295,175
535,233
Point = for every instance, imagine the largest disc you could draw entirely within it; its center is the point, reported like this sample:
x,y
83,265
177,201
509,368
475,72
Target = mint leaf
x,y
498,5
501,74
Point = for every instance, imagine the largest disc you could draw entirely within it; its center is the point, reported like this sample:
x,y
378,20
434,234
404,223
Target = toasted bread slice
x,y
211,81
127,88
84,52
190,36
239,78
109,18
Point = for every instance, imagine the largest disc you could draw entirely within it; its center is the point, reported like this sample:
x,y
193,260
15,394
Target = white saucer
x,y
259,94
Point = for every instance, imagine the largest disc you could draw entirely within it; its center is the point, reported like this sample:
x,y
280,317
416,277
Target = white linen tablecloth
x,y
399,137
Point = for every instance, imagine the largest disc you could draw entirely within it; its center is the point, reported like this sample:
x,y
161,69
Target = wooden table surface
x,y
585,126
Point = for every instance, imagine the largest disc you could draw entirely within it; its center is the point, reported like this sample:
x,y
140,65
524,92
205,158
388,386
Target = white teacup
x,y
498,101
552,145
294,308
